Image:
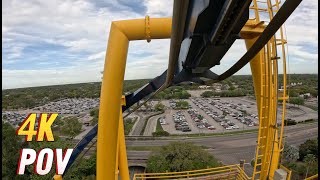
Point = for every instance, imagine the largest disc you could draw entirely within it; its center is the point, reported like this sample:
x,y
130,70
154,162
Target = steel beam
x,y
121,33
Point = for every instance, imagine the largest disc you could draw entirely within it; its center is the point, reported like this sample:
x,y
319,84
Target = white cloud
x,y
98,56
78,32
159,8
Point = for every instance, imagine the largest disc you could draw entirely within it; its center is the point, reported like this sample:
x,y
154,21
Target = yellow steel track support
x,y
264,67
121,33
312,177
122,151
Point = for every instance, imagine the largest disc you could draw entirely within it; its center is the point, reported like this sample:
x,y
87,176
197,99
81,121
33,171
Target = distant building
x,y
293,84
204,87
225,87
217,87
305,96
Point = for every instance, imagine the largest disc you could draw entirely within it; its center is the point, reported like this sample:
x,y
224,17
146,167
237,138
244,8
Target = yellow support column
x,y
122,154
275,156
121,33
111,91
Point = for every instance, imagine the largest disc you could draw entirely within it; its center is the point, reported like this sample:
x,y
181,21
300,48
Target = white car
x,y
163,123
250,125
235,127
201,126
228,128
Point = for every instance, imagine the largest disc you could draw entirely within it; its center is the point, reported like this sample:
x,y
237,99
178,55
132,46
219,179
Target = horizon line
x,y
128,80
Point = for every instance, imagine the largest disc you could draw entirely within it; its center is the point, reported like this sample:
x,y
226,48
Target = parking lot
x,y
172,117
209,115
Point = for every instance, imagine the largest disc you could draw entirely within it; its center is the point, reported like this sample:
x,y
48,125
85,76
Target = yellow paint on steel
x,y
252,29
312,177
258,71
121,33
264,69
264,72
122,154
287,170
135,29
284,94
57,177
223,171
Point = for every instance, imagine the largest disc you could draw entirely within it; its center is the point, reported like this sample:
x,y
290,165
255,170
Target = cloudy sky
x,y
64,41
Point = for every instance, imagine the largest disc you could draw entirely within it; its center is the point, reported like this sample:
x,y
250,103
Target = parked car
x,y
211,128
201,126
235,127
186,129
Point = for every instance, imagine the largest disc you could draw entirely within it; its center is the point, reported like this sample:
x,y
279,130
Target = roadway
x,y
229,149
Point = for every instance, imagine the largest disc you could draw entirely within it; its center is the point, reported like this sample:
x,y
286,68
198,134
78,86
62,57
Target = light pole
x,y
242,126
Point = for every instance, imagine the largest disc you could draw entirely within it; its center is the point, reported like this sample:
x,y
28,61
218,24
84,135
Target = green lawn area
x,y
128,124
202,135
159,127
150,148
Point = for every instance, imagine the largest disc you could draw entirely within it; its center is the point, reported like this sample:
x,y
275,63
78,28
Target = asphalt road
x,y
230,149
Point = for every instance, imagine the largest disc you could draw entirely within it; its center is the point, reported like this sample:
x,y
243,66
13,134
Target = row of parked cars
x,y
199,120
180,122
172,104
222,119
235,114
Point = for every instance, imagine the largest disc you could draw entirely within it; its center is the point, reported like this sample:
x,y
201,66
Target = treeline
x,y
230,93
175,92
302,160
35,96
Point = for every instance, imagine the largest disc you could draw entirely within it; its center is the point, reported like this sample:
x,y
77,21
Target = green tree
x,y
290,153
182,105
159,107
93,121
71,127
180,156
59,121
309,159
207,94
296,101
11,144
308,147
231,88
293,93
10,151
314,92
94,112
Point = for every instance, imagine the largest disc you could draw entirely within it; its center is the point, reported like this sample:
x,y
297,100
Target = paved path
x,y
151,125
135,124
137,127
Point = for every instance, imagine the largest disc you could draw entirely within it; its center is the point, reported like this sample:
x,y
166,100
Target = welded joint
x,y
148,30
